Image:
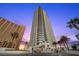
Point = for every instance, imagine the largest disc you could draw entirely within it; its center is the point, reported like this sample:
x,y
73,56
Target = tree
x,y
73,23
59,42
54,43
64,40
74,47
14,35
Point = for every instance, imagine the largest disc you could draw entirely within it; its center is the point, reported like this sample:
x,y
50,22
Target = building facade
x,y
41,33
10,34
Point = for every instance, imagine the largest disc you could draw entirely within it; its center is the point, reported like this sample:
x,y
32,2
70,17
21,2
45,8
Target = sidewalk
x,y
73,52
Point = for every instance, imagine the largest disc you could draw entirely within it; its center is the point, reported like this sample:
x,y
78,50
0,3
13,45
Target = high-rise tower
x,y
41,29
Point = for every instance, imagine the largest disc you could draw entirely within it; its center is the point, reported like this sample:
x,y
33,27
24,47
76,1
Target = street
x,y
24,53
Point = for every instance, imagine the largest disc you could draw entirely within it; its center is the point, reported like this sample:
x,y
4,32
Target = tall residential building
x,y
10,34
41,32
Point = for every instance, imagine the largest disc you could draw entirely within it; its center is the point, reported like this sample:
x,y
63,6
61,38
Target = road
x,y
24,53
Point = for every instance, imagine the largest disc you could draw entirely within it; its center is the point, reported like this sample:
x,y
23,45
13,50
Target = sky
x,y
58,15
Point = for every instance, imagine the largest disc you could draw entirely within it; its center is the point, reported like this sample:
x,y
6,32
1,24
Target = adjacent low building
x,y
10,34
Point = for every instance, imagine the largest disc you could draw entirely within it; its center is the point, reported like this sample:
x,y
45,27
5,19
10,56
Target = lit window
x,y
21,47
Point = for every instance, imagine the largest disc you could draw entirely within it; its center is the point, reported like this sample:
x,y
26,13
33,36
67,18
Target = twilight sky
x,y
58,14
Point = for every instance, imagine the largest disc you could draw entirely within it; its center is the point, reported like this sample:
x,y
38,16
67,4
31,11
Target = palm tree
x,y
59,42
14,35
64,40
54,43
73,23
